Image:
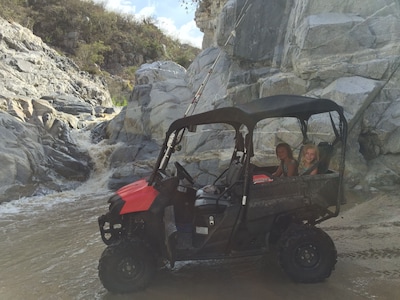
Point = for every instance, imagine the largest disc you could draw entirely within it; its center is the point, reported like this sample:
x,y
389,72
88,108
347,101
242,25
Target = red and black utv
x,y
172,217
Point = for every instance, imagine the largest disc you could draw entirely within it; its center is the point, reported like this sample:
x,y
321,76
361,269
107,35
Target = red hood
x,y
138,196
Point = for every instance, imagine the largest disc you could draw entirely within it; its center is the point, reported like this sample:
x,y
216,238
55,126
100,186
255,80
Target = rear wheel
x,y
307,254
126,267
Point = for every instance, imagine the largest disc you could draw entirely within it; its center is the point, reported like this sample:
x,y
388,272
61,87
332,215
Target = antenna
x,y
192,106
196,98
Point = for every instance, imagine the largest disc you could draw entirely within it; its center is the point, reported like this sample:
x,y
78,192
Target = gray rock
x,y
43,96
348,53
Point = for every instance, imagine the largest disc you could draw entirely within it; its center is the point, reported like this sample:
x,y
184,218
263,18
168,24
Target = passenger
x,y
288,165
309,160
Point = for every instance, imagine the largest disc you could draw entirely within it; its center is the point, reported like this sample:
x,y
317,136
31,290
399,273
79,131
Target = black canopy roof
x,y
249,114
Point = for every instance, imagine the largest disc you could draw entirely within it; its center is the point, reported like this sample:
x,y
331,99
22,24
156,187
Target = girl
x,y
309,160
288,165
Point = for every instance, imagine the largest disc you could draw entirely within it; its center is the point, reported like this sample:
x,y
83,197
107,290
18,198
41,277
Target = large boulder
x,y
156,101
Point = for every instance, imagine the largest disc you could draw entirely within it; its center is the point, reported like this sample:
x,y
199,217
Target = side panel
x,y
138,196
213,229
285,194
323,189
271,198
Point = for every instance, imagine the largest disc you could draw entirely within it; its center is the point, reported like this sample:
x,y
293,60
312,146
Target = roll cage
x,y
249,114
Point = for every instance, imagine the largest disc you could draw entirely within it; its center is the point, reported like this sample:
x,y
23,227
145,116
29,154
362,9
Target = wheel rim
x,y
307,256
129,269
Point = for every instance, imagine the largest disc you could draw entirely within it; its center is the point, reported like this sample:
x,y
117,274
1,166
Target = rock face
x,y
347,51
43,98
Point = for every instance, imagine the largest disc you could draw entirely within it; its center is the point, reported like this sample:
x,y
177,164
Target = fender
x,y
138,196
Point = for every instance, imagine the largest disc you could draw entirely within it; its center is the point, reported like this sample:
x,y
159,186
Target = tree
x,y
90,56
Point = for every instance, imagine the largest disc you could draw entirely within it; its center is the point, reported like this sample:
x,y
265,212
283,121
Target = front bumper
x,y
110,224
109,230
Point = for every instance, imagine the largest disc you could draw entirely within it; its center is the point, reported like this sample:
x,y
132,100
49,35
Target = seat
x,y
326,151
212,194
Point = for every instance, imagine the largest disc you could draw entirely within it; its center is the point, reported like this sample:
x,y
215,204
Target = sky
x,y
170,16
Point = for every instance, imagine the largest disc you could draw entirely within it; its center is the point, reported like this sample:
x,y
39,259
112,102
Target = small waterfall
x,y
99,154
95,186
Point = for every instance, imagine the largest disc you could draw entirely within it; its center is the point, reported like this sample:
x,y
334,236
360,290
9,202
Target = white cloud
x,y
187,33
191,34
146,12
119,6
167,25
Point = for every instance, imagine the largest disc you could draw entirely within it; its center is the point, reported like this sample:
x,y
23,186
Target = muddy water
x,y
50,248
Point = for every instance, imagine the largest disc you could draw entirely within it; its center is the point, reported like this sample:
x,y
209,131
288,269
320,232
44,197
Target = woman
x,y
309,160
288,165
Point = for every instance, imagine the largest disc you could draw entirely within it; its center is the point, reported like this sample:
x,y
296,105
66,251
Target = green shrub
x,y
90,56
120,101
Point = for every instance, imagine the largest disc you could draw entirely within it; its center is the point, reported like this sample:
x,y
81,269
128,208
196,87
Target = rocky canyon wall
x,y
347,51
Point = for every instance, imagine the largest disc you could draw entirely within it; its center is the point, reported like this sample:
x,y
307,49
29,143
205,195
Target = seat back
x,y
325,154
326,151
217,193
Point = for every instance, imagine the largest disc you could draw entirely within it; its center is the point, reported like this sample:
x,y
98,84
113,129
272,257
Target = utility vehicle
x,y
245,211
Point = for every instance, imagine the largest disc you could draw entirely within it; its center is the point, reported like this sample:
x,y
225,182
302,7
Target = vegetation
x,y
99,41
195,3
189,3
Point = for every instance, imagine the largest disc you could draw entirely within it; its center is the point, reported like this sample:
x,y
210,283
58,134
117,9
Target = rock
x,y
383,173
43,96
348,53
75,169
355,94
282,83
156,101
206,18
72,105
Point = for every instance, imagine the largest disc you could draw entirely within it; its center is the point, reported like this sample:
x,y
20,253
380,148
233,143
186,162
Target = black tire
x,y
307,254
126,267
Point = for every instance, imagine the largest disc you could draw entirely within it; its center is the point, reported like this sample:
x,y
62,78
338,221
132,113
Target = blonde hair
x,y
304,150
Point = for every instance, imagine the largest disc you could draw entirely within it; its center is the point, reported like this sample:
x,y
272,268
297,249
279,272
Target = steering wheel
x,y
182,173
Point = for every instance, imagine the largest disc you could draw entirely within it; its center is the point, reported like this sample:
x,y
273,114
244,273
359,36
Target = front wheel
x,y
307,254
126,267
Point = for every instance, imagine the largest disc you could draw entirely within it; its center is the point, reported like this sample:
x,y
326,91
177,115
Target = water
x,y
50,247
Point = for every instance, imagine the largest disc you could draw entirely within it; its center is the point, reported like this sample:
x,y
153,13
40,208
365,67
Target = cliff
x,y
44,97
346,51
